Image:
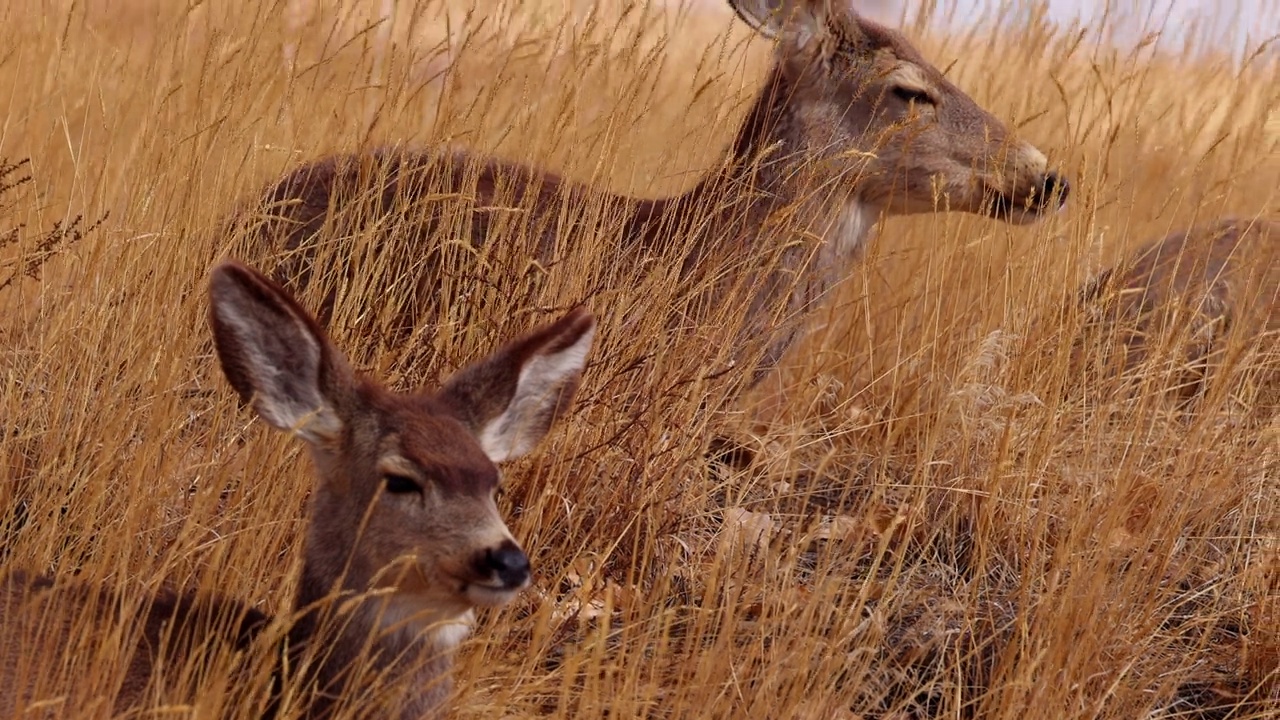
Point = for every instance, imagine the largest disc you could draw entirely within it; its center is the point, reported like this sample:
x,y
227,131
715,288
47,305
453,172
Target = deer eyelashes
x,y
913,95
401,484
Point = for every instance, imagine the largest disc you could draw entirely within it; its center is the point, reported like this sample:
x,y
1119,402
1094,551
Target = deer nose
x,y
509,563
1054,184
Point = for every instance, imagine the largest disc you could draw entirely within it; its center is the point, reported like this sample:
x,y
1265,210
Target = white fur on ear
x,y
271,356
527,418
775,18
761,15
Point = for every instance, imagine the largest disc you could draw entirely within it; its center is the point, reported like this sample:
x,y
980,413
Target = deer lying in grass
x,y
1195,289
851,124
404,538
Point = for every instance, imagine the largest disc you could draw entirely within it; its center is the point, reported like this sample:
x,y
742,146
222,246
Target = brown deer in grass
x,y
851,124
404,538
1185,297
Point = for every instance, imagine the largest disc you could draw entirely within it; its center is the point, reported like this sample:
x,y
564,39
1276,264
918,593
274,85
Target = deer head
x,y
406,482
866,107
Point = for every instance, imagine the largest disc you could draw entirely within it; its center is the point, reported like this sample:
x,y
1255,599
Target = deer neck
x,y
342,645
770,151
772,179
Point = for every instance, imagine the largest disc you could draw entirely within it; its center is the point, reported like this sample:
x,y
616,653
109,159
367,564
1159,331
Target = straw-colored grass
x,y
930,527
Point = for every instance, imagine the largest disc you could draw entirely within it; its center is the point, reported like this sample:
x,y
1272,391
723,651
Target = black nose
x,y
1054,185
509,563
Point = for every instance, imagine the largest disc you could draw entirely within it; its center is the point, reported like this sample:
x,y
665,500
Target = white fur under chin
x,y
850,229
449,635
434,642
406,624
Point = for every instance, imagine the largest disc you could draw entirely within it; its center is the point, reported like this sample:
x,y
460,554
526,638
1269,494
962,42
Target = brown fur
x,y
161,623
834,141
404,538
1199,293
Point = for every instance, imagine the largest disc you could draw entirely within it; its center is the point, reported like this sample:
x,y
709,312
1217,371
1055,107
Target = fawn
x,y
1194,288
403,539
852,124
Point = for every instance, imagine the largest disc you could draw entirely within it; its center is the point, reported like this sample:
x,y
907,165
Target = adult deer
x,y
851,124
403,539
1192,297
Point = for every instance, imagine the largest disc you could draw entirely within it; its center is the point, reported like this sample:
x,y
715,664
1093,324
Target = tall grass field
x,y
927,514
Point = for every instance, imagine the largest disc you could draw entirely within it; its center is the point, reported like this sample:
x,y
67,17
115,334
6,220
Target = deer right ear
x,y
510,398
771,18
274,354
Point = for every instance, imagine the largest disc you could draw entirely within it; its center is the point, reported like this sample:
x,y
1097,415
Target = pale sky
x,y
1232,23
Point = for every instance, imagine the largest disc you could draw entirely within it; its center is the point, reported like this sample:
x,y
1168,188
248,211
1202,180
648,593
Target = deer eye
x,y
912,95
401,484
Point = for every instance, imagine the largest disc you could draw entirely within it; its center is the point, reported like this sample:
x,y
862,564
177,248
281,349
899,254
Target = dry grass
x,y
931,528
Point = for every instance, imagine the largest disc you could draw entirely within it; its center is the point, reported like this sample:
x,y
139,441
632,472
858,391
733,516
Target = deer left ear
x,y
276,356
802,20
510,399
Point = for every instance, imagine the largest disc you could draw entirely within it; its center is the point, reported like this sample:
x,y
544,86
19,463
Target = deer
x,y
403,541
851,125
1197,288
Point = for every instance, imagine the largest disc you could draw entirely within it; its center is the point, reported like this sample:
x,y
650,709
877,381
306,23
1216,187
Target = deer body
x,y
1228,270
39,620
1195,288
852,124
403,541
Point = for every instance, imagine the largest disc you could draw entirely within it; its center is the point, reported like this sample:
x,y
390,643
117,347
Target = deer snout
x,y
508,563
1053,189
1030,200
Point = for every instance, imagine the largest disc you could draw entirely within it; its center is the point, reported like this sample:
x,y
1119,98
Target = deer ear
x,y
774,18
275,355
511,398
